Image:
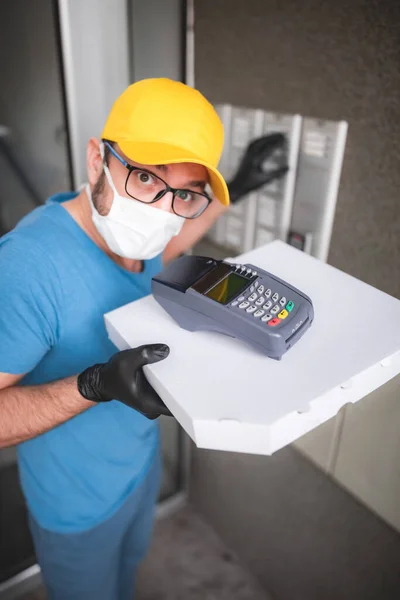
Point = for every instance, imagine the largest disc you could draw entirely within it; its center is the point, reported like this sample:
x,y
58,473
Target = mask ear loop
x,y
102,151
86,187
107,170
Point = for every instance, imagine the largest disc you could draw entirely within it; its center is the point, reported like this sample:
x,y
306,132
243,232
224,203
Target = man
x,y
89,465
83,415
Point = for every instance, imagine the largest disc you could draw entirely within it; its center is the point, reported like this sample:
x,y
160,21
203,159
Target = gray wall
x,y
299,530
334,60
31,104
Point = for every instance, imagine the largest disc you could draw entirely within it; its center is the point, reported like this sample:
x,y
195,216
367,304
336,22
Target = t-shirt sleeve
x,y
30,305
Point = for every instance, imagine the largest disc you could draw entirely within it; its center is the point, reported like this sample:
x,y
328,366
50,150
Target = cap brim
x,y
153,153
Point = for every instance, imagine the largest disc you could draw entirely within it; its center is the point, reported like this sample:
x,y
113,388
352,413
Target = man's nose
x,y
165,203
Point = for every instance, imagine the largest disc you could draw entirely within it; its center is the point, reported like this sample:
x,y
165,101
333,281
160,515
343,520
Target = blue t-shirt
x,y
55,286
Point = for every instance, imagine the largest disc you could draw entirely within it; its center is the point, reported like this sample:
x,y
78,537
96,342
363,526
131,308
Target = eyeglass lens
x,y
145,187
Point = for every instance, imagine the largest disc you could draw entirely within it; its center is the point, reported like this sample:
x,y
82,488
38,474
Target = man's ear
x,y
94,162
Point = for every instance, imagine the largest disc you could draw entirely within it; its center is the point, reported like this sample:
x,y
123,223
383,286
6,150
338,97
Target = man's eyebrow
x,y
163,168
197,183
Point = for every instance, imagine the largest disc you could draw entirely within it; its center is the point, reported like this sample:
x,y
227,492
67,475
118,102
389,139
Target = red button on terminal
x,y
274,322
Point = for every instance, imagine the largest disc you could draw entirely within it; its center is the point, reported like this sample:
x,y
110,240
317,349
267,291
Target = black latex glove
x,y
251,176
122,378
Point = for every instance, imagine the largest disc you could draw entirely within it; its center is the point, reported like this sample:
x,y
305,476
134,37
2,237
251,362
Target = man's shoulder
x,y
33,251
41,231
25,257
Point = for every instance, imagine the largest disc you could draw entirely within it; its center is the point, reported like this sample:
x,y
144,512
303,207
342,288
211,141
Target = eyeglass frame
x,y
168,188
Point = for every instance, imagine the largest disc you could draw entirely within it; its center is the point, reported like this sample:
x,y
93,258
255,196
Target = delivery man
x,y
82,415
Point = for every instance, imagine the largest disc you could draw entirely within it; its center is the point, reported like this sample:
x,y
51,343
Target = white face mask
x,y
133,229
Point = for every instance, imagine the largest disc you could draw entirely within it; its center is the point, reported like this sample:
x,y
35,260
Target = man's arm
x,y
193,230
28,411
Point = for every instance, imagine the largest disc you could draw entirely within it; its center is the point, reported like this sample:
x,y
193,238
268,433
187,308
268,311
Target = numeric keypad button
x,y
251,309
266,318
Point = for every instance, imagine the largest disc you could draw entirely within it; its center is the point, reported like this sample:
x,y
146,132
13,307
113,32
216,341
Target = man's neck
x,y
80,210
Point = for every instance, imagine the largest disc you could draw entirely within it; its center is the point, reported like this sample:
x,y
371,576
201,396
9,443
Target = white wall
x,y
361,449
96,62
156,44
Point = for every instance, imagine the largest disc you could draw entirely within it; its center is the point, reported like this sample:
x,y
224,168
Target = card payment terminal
x,y
241,301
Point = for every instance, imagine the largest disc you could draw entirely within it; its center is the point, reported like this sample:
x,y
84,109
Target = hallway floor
x,y
188,561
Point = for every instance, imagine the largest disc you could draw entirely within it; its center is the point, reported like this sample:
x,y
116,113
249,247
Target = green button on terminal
x,y
289,306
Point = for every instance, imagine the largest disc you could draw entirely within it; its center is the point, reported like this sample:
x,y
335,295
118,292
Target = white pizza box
x,y
227,396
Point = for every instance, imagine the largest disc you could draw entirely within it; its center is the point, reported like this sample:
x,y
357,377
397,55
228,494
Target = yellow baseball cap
x,y
161,121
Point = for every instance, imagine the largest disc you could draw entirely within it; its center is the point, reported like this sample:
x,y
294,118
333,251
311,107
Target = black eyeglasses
x,y
146,187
